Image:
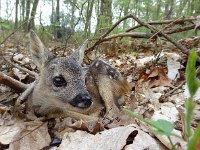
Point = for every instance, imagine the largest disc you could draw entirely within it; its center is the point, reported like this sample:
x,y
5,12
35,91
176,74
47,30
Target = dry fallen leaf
x,y
32,136
21,135
112,139
7,133
158,77
140,144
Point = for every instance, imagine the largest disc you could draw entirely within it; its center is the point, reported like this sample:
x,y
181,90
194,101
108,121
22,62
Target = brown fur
x,y
102,82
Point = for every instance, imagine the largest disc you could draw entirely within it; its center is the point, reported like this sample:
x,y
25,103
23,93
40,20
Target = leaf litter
x,y
151,79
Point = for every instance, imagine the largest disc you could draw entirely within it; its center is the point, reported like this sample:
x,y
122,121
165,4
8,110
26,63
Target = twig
x,y
181,29
153,29
23,97
172,91
104,35
12,83
21,68
181,21
175,93
130,34
167,26
145,35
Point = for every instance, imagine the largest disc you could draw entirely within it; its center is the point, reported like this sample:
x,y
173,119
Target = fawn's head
x,y
61,78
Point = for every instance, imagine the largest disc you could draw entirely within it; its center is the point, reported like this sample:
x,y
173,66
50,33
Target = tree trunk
x,y
168,9
104,20
52,12
22,10
32,18
57,24
158,8
7,10
197,10
88,18
16,14
182,5
72,20
0,9
28,3
58,12
126,8
147,14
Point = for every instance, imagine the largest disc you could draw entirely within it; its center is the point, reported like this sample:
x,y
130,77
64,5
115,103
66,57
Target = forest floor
x,y
155,70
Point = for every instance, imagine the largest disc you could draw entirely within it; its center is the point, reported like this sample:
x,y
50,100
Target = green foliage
x,y
6,25
160,127
192,81
195,137
193,85
189,105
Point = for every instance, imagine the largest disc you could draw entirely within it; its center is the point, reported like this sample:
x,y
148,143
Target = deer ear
x,y
39,52
78,55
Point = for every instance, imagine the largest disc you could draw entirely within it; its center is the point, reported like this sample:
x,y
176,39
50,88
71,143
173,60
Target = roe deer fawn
x,y
64,88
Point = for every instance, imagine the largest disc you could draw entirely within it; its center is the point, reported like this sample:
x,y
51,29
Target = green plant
x,y
160,127
193,85
164,127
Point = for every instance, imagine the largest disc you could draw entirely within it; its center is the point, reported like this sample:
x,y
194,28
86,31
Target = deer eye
x,y
59,81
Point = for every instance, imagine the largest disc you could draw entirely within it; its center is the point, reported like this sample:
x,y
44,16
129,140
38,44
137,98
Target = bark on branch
x,y
130,34
155,30
12,83
179,21
104,35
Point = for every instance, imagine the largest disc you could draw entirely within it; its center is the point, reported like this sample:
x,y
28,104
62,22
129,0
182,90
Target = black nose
x,y
82,101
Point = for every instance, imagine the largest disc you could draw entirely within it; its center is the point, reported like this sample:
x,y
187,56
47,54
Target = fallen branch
x,y
104,35
145,35
154,30
181,29
180,21
175,89
12,83
23,97
167,26
130,34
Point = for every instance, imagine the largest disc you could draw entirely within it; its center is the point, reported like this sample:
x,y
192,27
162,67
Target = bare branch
x,y
104,35
181,29
154,30
180,21
23,97
167,26
12,83
130,34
